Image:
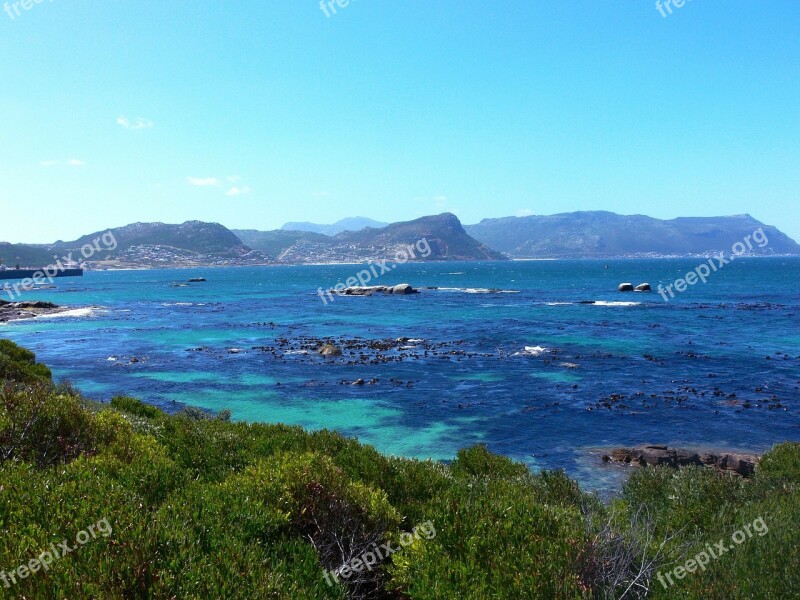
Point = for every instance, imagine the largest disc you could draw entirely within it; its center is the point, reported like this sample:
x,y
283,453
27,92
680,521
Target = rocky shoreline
x,y
15,311
654,455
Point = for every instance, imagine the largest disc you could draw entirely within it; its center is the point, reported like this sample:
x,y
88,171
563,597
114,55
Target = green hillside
x,y
24,255
273,243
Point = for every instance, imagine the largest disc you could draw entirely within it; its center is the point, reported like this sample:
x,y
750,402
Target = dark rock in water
x,y
363,291
652,455
587,302
625,287
35,305
329,350
197,280
402,289
643,287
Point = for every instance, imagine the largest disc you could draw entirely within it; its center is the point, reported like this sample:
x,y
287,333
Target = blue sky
x,y
256,113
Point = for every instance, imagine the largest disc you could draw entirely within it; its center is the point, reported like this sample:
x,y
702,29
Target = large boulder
x,y
643,287
741,464
625,287
403,289
329,350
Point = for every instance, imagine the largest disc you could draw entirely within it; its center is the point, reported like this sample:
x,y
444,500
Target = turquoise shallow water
x,y
717,366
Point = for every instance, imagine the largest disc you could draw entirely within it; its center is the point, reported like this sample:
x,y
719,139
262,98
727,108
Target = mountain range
x,y
602,234
443,233
570,235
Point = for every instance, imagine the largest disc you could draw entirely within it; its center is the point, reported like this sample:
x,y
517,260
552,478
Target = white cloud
x,y
74,162
203,181
238,191
135,124
525,212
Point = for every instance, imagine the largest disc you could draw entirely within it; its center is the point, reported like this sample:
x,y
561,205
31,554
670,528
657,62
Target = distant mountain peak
x,y
348,224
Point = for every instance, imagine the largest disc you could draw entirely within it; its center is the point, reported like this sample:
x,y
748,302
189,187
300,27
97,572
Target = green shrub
x,y
781,464
19,364
41,425
136,407
478,461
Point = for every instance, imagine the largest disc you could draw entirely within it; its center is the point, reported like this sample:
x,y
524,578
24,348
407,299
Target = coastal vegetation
x,y
201,506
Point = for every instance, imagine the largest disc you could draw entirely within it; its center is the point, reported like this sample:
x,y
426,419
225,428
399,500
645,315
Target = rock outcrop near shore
x,y
14,311
652,455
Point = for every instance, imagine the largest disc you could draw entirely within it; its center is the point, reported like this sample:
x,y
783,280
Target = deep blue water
x,y
718,366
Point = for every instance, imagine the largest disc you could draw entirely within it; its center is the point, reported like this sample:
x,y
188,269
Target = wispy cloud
x,y
438,202
232,183
525,212
135,124
72,162
238,191
203,181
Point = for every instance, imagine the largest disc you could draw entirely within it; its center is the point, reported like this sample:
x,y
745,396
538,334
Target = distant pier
x,y
6,274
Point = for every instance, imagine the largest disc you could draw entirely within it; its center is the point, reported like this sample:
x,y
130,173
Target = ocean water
x,y
528,370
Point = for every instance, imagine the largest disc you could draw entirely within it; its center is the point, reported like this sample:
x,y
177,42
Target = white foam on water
x,y
478,290
533,351
604,303
74,313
